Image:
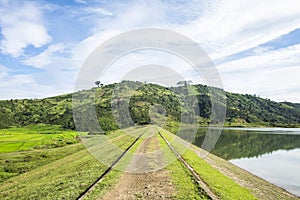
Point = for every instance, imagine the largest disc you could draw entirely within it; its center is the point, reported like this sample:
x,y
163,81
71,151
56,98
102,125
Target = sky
x,y
255,45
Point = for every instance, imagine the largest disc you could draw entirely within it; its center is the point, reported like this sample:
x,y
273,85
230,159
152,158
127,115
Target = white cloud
x,y
97,10
25,86
130,65
221,27
3,71
81,1
58,72
3,68
233,26
37,85
81,51
279,58
47,57
126,17
271,74
21,26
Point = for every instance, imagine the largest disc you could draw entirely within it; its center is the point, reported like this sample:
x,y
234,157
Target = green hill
x,y
137,99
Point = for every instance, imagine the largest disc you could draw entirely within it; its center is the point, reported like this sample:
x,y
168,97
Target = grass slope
x,y
224,187
64,178
186,187
16,163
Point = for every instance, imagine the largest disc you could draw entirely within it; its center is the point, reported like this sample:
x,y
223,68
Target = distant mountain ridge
x,y
242,110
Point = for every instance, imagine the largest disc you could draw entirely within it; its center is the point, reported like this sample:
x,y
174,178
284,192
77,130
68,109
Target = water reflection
x,y
247,143
280,167
272,153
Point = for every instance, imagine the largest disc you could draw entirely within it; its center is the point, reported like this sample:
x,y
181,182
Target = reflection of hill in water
x,y
234,144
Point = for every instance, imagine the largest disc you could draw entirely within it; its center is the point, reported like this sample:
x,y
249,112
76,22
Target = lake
x,y
270,153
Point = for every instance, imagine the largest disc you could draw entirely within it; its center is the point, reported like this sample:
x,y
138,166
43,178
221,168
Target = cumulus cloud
x,y
129,16
58,72
20,86
47,83
21,26
271,74
236,25
47,57
222,27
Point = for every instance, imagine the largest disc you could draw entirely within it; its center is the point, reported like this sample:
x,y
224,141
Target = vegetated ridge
x,y
174,104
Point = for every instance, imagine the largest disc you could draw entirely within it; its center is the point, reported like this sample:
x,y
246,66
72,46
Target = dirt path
x,y
151,185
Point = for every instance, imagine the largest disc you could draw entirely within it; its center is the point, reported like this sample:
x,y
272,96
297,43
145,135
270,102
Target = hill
x,y
145,101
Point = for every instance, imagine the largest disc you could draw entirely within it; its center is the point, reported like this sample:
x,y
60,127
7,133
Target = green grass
x,y
62,179
54,178
13,164
111,179
185,185
223,186
39,136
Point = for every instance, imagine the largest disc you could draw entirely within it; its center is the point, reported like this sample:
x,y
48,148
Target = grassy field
x,y
65,178
16,163
39,136
58,173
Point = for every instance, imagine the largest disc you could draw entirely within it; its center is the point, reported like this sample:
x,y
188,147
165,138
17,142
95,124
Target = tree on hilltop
x,y
98,83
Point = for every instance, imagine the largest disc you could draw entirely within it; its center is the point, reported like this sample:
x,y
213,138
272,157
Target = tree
x,y
185,83
97,83
180,83
189,82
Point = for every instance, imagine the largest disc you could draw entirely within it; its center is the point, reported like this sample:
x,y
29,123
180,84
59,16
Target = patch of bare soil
x,y
152,185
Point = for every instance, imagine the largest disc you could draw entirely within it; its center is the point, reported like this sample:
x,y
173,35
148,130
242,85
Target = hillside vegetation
x,y
135,100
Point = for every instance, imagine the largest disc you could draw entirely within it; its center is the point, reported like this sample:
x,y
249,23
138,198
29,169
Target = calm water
x,y
270,153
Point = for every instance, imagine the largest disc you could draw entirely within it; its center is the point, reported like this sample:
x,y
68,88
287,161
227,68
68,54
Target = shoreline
x,y
260,188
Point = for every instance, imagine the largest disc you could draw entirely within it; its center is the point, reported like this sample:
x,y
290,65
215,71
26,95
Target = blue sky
x,y
255,45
